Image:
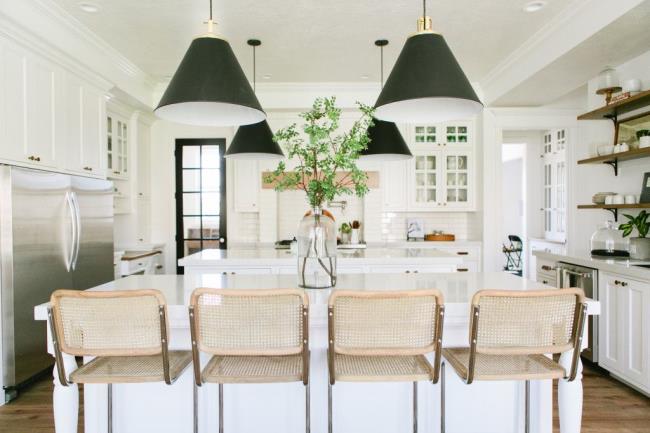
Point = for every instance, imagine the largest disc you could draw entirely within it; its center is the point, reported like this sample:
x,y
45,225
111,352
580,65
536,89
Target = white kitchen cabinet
x,y
117,146
624,329
554,185
49,117
393,183
143,220
246,177
144,155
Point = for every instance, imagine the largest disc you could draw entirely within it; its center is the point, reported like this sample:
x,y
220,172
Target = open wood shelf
x,y
614,158
615,109
613,208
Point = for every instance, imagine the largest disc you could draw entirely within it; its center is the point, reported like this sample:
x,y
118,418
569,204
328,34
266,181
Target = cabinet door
x,y
246,175
393,181
427,134
610,331
40,113
144,152
92,115
73,124
457,180
424,189
635,324
117,147
12,104
143,220
457,134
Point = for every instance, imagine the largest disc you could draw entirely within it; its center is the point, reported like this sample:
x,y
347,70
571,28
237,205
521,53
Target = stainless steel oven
x,y
570,275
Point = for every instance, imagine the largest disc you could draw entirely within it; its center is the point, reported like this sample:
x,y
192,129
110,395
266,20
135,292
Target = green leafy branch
x,y
640,222
323,154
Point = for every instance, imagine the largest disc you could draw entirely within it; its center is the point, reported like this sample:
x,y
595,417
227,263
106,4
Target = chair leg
x,y
415,407
527,403
110,408
195,407
329,407
442,398
221,408
307,409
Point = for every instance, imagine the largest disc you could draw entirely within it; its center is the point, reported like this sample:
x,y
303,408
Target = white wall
x,y
163,211
590,179
513,193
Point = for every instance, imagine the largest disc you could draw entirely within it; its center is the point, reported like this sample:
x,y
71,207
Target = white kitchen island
x,y
268,260
495,407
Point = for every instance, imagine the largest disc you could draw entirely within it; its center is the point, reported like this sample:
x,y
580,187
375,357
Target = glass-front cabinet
x,y
554,184
442,170
117,147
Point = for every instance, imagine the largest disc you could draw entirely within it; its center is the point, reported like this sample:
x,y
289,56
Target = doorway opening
x,y
200,196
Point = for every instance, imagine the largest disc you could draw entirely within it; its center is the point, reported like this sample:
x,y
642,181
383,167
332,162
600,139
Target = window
x,y
200,196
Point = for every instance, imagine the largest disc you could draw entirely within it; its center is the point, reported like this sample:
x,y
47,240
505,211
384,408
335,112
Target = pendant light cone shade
x,y
209,88
254,142
426,85
386,143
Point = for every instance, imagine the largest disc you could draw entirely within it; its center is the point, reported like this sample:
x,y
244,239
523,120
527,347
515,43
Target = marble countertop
x,y
271,256
457,288
624,267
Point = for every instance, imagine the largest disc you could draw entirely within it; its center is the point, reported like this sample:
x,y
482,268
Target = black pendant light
x,y
209,87
427,84
386,142
254,141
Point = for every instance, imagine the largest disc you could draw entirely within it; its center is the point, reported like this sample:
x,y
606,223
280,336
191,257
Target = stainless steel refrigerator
x,y
56,232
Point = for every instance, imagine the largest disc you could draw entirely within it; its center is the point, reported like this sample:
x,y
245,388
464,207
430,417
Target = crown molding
x,y
577,22
50,28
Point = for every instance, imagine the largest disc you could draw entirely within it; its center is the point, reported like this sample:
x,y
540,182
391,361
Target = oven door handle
x,y
584,275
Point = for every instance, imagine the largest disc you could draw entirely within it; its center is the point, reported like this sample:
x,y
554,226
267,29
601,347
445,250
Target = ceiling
x,y
312,40
620,41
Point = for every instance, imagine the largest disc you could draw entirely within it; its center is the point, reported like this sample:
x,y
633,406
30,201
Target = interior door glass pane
x,y
192,247
192,204
211,245
191,180
191,157
211,227
211,179
211,203
451,163
431,195
210,157
419,179
192,227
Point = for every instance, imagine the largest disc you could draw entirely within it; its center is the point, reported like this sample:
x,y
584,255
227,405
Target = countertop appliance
x,y
56,231
569,275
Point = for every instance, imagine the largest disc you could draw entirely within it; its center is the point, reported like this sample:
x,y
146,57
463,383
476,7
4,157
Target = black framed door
x,y
200,195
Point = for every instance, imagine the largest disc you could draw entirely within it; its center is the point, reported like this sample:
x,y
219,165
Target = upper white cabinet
x,y
554,184
247,183
117,146
49,118
440,177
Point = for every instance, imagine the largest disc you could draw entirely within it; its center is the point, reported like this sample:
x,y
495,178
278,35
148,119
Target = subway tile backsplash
x,y
465,225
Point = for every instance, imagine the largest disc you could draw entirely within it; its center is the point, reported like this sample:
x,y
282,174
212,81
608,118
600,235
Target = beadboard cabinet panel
x,y
12,103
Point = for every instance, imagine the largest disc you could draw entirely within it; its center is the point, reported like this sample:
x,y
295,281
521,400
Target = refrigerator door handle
x,y
77,222
73,225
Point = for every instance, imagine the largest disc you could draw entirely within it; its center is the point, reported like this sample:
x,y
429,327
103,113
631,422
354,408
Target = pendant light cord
x,y
381,62
210,10
254,71
424,9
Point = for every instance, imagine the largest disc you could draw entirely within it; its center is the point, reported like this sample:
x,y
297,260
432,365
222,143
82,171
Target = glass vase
x,y
316,251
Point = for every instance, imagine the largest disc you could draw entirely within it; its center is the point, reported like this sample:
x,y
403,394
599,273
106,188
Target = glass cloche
x,y
608,241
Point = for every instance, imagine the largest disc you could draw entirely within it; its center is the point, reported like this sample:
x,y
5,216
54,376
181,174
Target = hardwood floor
x,y
609,406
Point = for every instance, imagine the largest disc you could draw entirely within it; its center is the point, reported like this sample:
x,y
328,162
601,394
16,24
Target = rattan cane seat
x,y
131,369
253,369
503,367
351,368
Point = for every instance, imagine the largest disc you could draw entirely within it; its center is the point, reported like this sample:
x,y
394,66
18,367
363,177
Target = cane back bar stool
x,y
383,337
126,332
511,334
255,336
